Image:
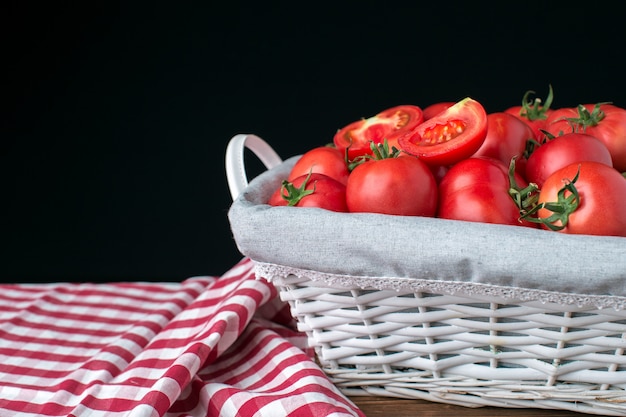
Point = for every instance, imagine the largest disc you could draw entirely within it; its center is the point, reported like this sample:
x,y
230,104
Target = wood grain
x,y
391,407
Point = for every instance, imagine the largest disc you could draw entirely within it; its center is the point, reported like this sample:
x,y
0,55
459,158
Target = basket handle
x,y
235,165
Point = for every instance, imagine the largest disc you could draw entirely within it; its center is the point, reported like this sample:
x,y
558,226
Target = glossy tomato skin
x,y
476,190
610,129
388,124
449,137
326,160
328,193
564,150
434,109
403,185
506,138
602,208
536,125
439,171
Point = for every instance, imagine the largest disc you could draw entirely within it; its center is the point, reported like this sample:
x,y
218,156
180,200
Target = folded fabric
x,y
209,346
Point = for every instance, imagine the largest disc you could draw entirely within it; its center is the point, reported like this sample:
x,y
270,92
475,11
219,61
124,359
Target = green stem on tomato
x,y
525,198
379,151
293,194
535,109
587,118
561,209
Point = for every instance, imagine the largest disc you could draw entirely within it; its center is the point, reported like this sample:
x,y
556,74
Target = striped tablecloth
x,y
207,346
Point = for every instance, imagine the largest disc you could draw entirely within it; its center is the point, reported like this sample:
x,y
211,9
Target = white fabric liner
x,y
425,254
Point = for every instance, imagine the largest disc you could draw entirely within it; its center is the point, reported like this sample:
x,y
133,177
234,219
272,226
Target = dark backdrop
x,y
116,117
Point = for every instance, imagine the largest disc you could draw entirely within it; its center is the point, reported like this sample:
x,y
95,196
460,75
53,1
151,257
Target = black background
x,y
116,116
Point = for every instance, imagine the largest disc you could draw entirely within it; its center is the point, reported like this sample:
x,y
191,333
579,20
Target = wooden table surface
x,y
391,407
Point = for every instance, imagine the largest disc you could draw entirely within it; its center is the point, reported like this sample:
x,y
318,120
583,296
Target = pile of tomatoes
x,y
531,165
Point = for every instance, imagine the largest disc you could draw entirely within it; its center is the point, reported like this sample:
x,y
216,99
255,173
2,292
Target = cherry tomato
x,y
449,137
533,112
506,138
325,160
477,190
601,208
311,190
388,124
436,108
561,151
402,185
604,121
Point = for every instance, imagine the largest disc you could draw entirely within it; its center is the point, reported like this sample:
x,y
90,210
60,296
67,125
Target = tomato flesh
x,y
450,136
443,133
388,125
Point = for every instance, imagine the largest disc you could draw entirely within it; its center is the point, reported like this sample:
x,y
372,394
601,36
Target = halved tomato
x,y
388,124
449,137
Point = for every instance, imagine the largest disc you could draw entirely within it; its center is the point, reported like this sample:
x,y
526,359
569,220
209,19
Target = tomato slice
x,y
388,124
449,137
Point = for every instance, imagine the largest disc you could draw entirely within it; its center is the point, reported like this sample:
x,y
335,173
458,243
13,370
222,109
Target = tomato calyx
x,y
536,109
587,118
561,209
293,194
524,198
531,145
379,151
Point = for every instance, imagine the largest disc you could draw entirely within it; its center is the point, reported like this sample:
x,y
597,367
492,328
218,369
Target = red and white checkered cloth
x,y
209,346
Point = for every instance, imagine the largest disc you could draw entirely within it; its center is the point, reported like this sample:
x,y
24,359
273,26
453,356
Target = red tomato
x,y
436,108
401,185
601,208
388,124
438,171
604,121
564,150
506,138
325,160
533,112
449,137
311,190
477,190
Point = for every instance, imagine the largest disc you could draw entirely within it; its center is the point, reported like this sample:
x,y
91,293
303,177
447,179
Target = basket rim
x,y
496,293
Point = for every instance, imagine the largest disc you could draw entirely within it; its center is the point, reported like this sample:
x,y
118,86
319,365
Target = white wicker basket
x,y
461,343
